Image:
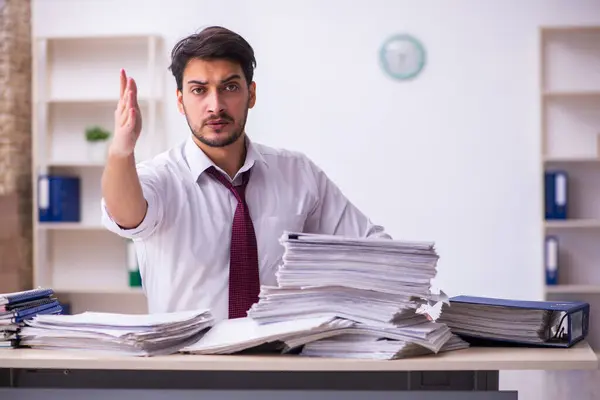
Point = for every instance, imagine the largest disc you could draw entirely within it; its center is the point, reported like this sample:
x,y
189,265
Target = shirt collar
x,y
199,162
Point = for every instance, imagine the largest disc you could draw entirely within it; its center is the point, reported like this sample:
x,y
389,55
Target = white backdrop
x,y
453,156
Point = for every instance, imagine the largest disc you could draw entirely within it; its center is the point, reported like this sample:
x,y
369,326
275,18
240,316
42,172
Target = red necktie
x,y
244,281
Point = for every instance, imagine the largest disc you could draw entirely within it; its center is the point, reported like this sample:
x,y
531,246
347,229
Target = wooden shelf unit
x,y
570,140
76,85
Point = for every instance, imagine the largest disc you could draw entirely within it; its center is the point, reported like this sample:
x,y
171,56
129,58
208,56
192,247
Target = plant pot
x,y
97,151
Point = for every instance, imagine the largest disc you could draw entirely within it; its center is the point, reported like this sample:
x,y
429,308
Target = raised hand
x,y
128,119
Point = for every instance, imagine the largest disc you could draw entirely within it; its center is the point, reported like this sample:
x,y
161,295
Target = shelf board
x,y
108,36
142,100
68,226
570,29
97,291
75,164
572,223
572,160
577,94
570,289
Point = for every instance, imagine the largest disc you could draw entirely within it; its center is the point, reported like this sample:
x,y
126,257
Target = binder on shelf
x,y
135,278
556,194
59,198
492,321
551,260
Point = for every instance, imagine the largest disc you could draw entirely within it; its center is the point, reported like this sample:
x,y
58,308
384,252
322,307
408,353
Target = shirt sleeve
x,y
152,191
334,214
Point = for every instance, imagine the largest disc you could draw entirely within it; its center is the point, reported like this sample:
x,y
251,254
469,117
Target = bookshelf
x,y
76,86
570,142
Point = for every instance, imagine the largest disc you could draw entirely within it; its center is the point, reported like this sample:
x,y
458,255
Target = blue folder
x,y
59,198
22,314
556,195
551,260
26,295
57,309
568,319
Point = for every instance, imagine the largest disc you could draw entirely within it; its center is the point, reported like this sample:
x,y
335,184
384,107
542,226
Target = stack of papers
x,y
125,334
235,335
367,280
17,307
370,347
379,285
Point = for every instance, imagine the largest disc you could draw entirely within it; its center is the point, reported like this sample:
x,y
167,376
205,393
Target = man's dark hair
x,y
212,43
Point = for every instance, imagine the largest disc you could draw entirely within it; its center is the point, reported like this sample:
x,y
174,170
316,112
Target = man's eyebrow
x,y
197,82
232,77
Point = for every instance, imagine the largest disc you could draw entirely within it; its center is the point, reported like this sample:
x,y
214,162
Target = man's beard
x,y
220,141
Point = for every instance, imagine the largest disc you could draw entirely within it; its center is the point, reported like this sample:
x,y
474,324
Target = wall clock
x,y
402,57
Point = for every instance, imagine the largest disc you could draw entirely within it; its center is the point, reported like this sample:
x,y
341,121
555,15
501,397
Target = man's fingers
x,y
121,105
125,110
123,78
133,88
128,107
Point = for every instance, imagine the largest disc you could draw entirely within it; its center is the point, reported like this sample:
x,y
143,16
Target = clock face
x,y
402,57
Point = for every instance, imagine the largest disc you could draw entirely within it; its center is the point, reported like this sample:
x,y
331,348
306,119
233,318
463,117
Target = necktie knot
x,y
238,191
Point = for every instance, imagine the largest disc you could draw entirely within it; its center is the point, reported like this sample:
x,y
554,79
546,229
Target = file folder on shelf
x,y
556,194
59,198
551,260
489,321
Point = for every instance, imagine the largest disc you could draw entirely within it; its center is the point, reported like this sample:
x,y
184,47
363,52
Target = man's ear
x,y
179,95
252,99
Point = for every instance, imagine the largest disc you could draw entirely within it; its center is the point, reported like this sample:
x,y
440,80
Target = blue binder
x,y
57,309
20,315
26,295
568,319
59,198
556,194
551,260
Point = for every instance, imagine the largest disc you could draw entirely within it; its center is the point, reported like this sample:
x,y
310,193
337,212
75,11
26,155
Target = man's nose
x,y
215,104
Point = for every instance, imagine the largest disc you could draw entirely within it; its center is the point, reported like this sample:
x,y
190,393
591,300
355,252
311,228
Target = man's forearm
x,y
122,191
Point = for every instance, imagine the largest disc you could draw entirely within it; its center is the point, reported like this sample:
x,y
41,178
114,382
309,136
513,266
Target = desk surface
x,y
578,357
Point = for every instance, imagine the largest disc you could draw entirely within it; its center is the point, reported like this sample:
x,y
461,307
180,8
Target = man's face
x,y
215,99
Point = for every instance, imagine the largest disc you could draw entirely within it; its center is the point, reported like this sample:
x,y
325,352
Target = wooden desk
x,y
467,372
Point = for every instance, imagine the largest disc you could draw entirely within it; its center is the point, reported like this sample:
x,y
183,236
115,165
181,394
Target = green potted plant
x,y
97,140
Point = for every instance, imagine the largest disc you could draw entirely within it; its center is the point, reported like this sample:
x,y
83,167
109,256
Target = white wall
x,y
453,156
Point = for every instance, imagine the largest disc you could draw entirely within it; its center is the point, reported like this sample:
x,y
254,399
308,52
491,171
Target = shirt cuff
x,y
145,228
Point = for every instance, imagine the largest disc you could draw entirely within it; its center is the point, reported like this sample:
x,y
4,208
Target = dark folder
x,y
556,194
27,304
20,315
27,295
485,320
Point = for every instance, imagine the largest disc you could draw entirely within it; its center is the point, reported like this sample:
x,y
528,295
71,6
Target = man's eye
x,y
231,87
197,90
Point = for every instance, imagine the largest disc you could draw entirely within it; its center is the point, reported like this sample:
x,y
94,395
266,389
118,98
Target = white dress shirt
x,y
182,244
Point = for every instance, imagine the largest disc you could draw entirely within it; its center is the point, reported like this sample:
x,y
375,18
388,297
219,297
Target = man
x,y
206,216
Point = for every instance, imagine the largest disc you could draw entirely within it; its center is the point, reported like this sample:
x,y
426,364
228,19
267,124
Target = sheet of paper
x,y
242,333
